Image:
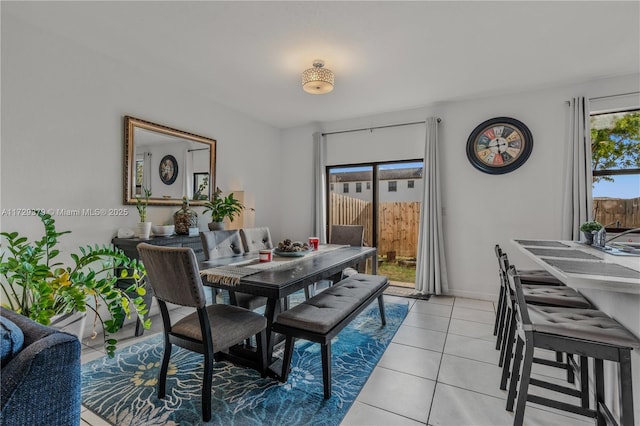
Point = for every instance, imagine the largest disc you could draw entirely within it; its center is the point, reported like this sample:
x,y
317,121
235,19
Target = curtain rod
x,y
377,127
614,96
608,96
199,149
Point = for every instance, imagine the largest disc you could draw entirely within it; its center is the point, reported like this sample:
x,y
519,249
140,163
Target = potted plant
x,y
588,228
222,207
39,287
143,228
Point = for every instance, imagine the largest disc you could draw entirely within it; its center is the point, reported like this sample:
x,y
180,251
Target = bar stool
x,y
589,332
536,294
529,277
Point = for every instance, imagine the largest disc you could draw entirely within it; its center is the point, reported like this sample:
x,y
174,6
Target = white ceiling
x,y
387,56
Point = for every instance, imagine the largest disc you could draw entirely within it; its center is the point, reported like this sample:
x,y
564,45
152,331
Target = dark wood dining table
x,y
276,284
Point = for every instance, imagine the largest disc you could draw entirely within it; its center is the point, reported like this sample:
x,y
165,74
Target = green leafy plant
x,y
223,207
142,203
40,288
615,143
199,194
591,226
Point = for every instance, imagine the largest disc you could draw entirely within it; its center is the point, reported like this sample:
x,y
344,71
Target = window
x,y
331,187
410,184
358,187
392,186
368,185
615,147
345,188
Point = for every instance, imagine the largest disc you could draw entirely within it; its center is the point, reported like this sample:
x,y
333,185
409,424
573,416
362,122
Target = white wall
x,y
480,210
62,136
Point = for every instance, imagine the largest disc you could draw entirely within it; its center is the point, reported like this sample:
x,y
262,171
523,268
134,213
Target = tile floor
x,y
441,368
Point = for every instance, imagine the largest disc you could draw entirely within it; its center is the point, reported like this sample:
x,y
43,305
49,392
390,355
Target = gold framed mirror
x,y
170,163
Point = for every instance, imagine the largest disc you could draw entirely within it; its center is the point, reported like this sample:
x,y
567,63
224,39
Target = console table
x,y
128,246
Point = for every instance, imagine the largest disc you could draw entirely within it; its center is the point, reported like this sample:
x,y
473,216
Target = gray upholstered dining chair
x,y
256,239
228,243
174,277
352,235
225,243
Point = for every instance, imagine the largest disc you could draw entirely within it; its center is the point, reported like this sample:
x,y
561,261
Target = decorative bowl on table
x,y
288,248
163,230
292,253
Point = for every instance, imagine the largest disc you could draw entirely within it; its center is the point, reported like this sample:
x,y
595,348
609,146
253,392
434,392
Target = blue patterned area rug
x,y
123,390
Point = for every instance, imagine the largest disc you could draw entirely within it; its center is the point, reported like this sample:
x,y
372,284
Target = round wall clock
x,y
168,169
499,145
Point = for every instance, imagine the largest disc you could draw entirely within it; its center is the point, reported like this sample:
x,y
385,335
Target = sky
x,y
623,186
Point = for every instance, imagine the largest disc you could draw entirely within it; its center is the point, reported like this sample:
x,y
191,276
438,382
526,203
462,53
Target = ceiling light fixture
x,y
317,80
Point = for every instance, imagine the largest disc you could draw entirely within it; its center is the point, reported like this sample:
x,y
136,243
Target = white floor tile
x,y
459,407
477,315
482,305
442,300
477,330
472,375
366,415
399,393
430,322
430,308
410,360
468,347
420,338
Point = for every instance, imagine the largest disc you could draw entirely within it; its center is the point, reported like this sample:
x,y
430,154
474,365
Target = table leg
x,y
272,310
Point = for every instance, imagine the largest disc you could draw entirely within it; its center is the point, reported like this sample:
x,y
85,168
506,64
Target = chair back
x,y
173,274
256,239
352,235
519,304
498,251
221,244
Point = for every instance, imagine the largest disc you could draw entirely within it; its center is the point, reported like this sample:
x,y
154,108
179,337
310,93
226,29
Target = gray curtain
x,y
577,204
431,270
320,187
187,174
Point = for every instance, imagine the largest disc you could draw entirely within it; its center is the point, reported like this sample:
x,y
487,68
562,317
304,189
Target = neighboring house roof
x,y
387,174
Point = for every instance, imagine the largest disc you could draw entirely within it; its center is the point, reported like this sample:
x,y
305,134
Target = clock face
x,y
168,169
499,145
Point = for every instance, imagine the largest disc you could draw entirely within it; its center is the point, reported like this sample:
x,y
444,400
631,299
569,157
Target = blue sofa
x,y
40,373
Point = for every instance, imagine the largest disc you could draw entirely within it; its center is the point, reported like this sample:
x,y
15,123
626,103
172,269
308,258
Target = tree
x,y
615,142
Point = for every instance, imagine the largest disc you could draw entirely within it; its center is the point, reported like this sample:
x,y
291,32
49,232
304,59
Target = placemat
x,y
542,243
593,268
572,254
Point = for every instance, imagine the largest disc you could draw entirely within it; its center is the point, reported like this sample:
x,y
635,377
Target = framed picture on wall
x,y
201,186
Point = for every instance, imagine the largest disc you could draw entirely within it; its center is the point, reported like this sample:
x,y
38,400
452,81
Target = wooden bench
x,y
322,317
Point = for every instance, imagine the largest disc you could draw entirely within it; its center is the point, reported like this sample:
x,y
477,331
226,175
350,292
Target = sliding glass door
x,y
385,198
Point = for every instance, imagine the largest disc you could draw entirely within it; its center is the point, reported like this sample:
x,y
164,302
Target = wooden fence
x,y
609,210
398,222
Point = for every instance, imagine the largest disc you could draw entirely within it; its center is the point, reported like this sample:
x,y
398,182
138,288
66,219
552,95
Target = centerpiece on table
x,y
36,285
221,208
588,228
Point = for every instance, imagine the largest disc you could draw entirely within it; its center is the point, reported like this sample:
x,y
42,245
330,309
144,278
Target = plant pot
x,y
72,323
143,230
216,226
588,237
